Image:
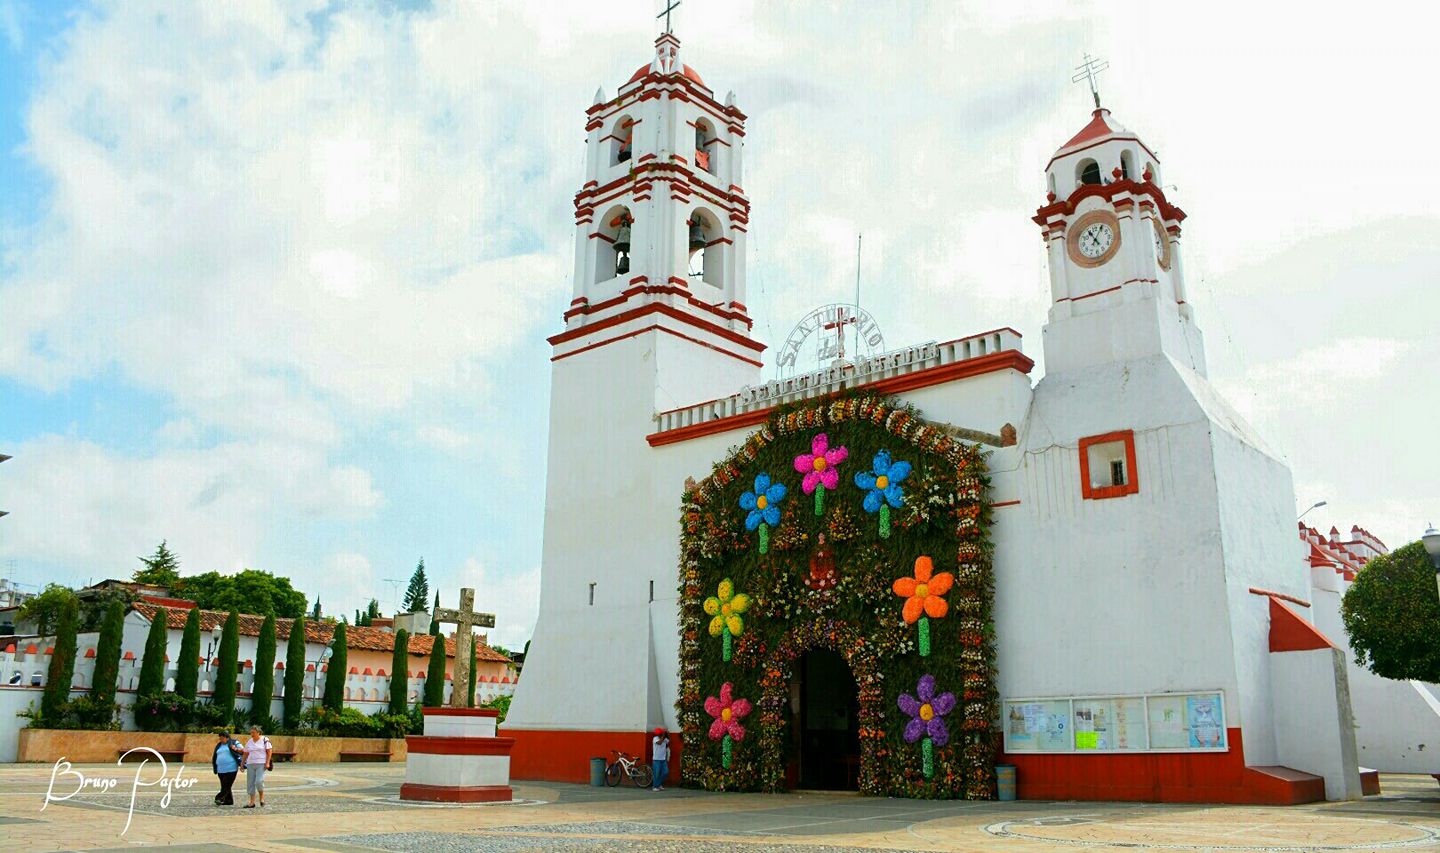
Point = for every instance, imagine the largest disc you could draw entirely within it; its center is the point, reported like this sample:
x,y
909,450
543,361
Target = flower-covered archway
x,y
853,525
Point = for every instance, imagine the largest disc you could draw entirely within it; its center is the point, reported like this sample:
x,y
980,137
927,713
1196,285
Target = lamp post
x,y
1431,538
1315,505
211,646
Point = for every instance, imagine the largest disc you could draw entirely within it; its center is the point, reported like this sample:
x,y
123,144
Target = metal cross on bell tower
x,y
669,7
1087,71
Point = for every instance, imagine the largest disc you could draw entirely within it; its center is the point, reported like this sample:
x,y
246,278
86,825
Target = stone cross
x,y
465,619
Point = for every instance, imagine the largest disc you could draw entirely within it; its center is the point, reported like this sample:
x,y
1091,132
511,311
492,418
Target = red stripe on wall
x,y
564,756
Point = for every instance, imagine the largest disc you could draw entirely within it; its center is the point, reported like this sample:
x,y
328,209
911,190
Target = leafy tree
x,y
502,650
418,590
224,695
251,591
1391,612
435,674
95,605
264,685
107,655
152,665
434,620
45,609
474,658
187,675
295,673
62,662
335,677
161,568
400,673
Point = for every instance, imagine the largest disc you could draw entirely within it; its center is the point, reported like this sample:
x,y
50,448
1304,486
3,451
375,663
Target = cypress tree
x,y
435,675
400,673
62,662
474,659
295,673
107,654
152,665
187,675
264,685
224,695
434,621
335,677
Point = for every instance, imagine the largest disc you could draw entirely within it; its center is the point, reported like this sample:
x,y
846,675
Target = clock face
x,y
1162,246
1095,240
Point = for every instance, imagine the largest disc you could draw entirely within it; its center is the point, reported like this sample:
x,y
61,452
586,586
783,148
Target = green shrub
x,y
209,716
501,704
82,712
164,712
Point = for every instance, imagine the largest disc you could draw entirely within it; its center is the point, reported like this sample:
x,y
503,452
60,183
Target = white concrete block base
x,y
458,759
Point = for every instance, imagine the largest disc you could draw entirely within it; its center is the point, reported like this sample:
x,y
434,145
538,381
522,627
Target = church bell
x,y
622,238
697,236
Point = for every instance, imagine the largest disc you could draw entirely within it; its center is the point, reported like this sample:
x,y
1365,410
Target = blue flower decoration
x,y
763,503
882,482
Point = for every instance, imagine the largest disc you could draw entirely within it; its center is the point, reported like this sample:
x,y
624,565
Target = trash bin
x,y
1005,781
597,773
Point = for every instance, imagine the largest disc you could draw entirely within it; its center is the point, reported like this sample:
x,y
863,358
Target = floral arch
x,y
851,524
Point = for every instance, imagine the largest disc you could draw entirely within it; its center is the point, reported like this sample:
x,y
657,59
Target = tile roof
x,y
356,636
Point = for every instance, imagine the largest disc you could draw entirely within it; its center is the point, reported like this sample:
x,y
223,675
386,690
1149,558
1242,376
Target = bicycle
x,y
625,767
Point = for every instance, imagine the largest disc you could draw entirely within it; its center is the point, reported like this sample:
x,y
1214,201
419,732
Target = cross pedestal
x,y
460,758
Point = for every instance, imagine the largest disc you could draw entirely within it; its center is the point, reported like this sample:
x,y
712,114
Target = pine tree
x,y
62,662
187,675
152,666
434,620
107,654
400,673
161,568
224,695
435,675
264,686
295,673
474,665
418,591
335,677
372,612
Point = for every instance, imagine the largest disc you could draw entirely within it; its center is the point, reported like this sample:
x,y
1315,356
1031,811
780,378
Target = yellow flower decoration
x,y
725,608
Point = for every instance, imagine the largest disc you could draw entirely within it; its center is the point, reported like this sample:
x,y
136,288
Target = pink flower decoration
x,y
727,713
818,465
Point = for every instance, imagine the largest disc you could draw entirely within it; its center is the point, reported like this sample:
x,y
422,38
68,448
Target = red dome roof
x,y
645,69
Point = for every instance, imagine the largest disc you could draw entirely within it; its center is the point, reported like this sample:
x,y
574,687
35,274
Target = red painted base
x,y
1180,777
562,756
456,794
1370,782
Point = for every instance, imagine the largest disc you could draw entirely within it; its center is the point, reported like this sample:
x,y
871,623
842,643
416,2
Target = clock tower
x,y
1117,283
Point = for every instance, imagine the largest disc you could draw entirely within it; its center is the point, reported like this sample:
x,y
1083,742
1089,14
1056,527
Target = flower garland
x,y
940,512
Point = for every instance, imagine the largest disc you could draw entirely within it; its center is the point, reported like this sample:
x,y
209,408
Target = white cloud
x,y
514,598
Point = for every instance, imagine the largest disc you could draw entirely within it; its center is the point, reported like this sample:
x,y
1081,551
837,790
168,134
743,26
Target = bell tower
x,y
661,218
1117,282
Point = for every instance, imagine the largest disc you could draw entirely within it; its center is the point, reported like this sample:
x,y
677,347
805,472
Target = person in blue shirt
x,y
225,761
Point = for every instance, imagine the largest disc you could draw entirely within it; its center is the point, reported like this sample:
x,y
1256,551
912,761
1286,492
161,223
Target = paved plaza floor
x,y
355,807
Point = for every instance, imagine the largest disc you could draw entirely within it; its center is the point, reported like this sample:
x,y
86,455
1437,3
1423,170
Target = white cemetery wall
x,y
1314,730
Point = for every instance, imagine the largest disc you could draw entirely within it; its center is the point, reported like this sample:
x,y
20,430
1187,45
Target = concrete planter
x,y
46,746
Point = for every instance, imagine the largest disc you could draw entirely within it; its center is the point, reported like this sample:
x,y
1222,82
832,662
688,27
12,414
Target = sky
x,y
276,277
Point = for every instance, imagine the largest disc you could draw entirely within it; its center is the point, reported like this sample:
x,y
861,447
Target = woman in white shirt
x,y
256,762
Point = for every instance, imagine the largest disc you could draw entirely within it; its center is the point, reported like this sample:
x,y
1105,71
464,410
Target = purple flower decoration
x,y
925,710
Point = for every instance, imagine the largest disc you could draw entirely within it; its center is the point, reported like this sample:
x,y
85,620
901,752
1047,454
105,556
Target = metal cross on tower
x,y
669,7
465,619
1088,69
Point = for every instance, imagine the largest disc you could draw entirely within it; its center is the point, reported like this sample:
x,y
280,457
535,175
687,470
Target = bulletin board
x,y
1156,722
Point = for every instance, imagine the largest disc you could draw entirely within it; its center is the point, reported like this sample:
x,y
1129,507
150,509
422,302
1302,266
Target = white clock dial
x,y
1095,240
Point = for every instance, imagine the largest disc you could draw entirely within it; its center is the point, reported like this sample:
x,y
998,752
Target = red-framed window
x,y
1107,465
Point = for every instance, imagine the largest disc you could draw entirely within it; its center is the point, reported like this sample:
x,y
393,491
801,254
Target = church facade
x,y
1084,577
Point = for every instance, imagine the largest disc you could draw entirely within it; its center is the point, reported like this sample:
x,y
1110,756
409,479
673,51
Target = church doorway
x,y
825,724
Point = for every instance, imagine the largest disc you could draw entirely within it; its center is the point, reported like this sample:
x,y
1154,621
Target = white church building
x,y
1146,641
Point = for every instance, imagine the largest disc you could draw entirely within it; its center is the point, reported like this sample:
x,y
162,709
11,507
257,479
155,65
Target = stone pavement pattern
x,y
355,807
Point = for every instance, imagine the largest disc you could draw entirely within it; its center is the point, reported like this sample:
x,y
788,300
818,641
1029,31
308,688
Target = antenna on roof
x,y
1088,69
394,590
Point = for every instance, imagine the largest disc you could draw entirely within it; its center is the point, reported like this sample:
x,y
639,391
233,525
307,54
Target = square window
x,y
1107,465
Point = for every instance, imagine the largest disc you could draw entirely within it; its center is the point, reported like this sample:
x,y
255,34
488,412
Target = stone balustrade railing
x,y
832,379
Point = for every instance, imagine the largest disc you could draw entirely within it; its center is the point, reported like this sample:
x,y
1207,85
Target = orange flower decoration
x,y
923,592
